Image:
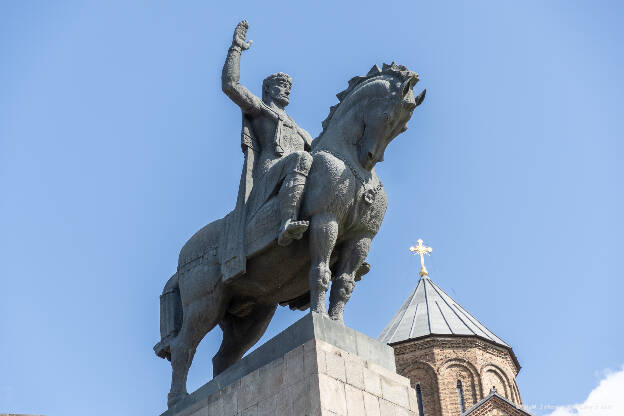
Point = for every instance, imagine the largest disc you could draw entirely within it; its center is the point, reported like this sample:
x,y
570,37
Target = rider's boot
x,y
290,199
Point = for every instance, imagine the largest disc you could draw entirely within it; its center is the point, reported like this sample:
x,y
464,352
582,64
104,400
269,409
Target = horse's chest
x,y
368,207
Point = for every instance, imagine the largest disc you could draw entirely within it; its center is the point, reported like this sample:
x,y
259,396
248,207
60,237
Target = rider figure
x,y
283,154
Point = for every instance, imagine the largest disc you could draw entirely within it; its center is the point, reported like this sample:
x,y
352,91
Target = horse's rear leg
x,y
199,318
170,317
240,334
323,234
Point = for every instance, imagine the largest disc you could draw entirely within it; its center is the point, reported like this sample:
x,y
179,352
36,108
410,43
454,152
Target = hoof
x,y
174,398
319,311
337,318
364,269
163,349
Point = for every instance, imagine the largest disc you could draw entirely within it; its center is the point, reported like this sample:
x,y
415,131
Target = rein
x,y
369,193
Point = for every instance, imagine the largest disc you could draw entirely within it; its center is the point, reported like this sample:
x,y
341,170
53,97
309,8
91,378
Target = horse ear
x,y
405,87
420,97
374,71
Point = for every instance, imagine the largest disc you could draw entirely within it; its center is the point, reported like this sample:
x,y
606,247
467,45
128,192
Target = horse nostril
x,y
370,156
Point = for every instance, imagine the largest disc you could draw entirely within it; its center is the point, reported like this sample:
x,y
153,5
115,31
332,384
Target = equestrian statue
x,y
305,215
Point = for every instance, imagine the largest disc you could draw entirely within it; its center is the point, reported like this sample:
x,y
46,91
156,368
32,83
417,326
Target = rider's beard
x,y
282,100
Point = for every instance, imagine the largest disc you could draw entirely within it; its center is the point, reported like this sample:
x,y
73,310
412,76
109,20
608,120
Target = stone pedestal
x,y
315,367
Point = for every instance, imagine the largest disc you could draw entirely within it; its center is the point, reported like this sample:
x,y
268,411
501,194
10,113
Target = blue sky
x,y
117,144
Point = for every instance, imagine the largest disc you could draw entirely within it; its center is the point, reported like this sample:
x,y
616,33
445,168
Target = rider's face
x,y
280,92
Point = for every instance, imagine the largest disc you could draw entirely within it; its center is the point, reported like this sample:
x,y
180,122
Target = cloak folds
x,y
232,252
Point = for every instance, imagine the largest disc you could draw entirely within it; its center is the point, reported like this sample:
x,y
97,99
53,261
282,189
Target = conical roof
x,y
430,311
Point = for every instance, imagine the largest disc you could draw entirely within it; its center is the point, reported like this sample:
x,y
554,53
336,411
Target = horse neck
x,y
342,134
340,139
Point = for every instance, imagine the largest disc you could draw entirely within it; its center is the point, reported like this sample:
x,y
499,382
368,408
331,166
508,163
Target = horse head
x,y
385,117
381,103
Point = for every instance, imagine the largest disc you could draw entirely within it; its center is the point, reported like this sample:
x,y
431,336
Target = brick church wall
x,y
436,363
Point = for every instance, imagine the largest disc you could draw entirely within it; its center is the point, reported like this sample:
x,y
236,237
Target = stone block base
x,y
312,379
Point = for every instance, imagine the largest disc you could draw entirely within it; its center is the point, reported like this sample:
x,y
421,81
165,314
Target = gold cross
x,y
422,250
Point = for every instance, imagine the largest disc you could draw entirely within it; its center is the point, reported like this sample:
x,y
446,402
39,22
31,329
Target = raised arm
x,y
230,76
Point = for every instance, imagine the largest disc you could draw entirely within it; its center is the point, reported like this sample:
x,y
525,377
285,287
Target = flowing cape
x,y
232,244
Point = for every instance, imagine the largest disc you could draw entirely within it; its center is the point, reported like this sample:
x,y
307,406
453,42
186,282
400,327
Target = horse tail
x,y
170,317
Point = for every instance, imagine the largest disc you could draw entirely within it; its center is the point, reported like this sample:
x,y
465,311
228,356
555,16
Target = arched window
x,y
460,392
421,412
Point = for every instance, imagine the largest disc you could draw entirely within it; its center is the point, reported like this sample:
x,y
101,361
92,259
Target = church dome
x,y
430,311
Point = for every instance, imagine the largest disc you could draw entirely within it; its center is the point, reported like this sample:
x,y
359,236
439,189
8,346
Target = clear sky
x,y
117,144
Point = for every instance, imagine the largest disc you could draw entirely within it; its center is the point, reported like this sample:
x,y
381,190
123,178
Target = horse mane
x,y
393,69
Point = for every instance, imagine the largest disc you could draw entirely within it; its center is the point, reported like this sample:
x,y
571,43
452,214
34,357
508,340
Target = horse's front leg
x,y
352,255
323,234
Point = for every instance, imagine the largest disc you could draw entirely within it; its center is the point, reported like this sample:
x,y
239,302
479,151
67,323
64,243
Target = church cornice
x,y
428,342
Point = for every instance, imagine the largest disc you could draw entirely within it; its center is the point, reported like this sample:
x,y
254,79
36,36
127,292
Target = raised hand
x,y
240,33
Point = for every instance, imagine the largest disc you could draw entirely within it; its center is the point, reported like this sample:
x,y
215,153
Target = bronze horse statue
x,y
344,202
